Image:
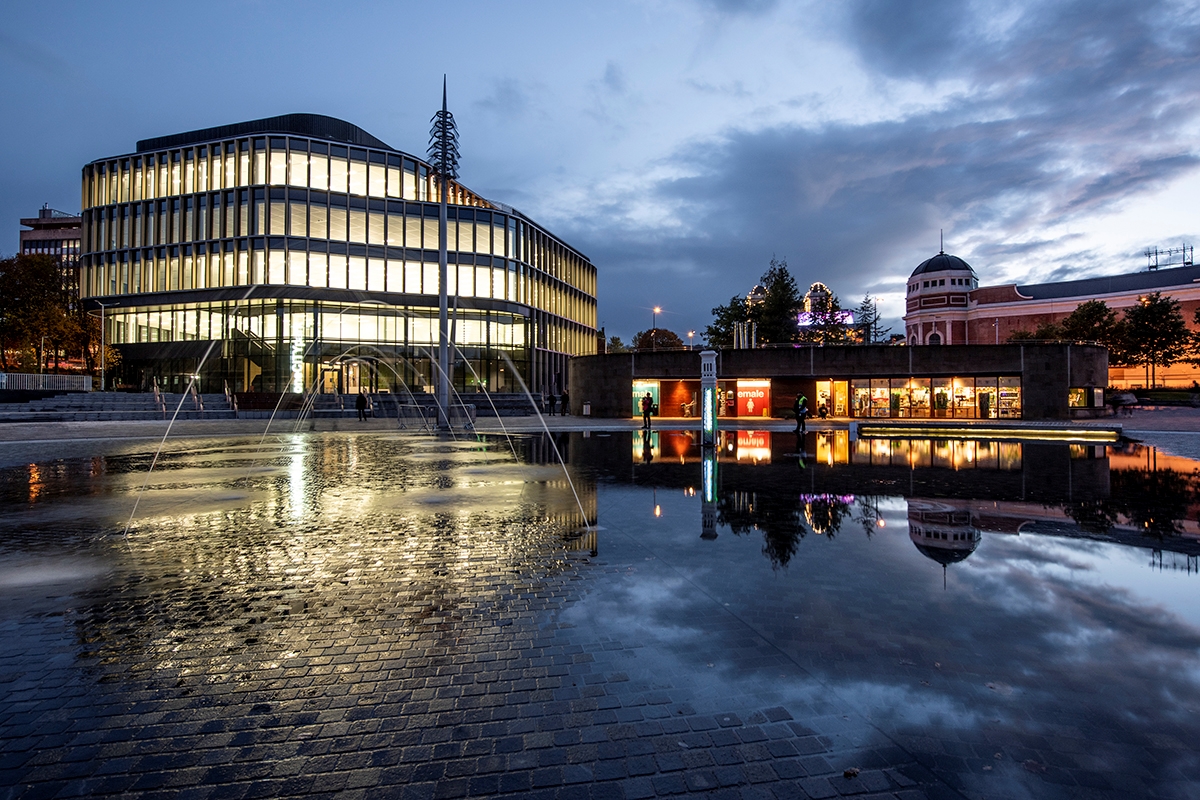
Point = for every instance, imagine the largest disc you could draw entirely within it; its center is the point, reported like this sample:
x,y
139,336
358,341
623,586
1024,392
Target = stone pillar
x,y
708,398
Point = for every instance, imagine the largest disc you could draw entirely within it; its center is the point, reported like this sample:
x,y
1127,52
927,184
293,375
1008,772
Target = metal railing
x,y
45,383
461,415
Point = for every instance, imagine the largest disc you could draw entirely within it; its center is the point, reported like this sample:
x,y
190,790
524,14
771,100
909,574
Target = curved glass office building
x,y
299,251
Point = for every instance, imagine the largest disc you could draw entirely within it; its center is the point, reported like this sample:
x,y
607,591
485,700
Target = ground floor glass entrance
x,y
937,398
282,345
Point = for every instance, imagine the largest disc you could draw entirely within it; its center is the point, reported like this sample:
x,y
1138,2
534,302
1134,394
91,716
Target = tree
x,y
720,332
775,313
870,322
774,514
1045,332
34,310
1091,321
1156,334
1094,321
1154,501
615,345
657,339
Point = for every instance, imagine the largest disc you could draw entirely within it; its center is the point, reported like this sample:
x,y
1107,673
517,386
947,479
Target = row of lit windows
x,y
964,282
334,217
183,269
983,398
330,323
302,323
948,453
328,217
57,247
250,162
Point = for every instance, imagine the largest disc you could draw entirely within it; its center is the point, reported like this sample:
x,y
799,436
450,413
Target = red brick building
x,y
946,305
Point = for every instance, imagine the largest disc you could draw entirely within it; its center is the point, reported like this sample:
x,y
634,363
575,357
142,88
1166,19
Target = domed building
x,y
947,305
942,531
817,297
938,294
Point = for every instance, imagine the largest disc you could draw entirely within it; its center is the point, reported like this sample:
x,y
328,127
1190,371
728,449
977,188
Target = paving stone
x,y
637,788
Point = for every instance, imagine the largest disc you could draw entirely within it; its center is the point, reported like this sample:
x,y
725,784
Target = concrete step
x,y
86,416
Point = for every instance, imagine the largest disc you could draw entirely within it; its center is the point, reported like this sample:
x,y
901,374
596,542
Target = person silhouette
x,y
647,405
800,409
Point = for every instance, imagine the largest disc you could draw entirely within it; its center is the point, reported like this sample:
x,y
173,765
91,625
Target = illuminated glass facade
x,y
300,251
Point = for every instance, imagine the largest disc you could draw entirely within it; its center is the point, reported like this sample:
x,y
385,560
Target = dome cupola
x,y
943,262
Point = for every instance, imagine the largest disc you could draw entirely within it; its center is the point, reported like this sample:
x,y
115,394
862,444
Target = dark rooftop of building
x,y
317,126
1148,281
942,263
52,218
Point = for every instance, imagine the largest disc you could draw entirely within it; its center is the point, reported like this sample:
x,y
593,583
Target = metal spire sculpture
x,y
443,141
443,157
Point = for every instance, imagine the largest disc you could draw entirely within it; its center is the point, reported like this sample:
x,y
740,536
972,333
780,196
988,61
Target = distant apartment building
x,y
55,234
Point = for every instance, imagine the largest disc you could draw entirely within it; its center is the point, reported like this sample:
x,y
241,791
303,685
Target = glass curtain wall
x,y
292,211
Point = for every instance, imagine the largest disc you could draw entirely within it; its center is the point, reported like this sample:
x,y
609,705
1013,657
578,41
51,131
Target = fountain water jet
x,y
553,444
171,424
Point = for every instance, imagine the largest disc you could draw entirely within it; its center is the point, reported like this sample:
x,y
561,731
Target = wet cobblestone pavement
x,y
388,616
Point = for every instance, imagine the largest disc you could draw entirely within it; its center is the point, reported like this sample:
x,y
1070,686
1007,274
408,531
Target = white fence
x,y
46,383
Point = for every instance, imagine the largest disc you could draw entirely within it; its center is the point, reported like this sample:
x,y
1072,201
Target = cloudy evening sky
x,y
680,144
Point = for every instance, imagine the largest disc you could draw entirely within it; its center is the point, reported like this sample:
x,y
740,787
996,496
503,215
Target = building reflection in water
x,y
241,540
942,531
956,490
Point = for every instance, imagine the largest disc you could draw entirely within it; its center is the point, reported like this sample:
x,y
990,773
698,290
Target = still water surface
x,y
1019,619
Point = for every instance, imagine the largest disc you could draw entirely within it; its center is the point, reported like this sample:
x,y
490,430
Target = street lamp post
x,y
691,334
102,342
102,347
42,358
654,327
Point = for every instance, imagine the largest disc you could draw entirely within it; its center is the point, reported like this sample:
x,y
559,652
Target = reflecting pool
x,y
342,612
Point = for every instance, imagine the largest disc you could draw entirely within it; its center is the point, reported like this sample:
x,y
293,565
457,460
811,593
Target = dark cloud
x,y
508,99
732,7
728,89
614,77
909,39
1073,109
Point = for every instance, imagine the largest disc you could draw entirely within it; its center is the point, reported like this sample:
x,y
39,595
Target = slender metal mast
x,y
443,157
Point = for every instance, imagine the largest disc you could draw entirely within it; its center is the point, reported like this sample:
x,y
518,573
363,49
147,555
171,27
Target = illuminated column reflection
x,y
297,487
708,499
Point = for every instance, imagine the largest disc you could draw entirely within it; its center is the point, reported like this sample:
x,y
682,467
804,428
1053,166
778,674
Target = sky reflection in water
x,y
1001,594
966,600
